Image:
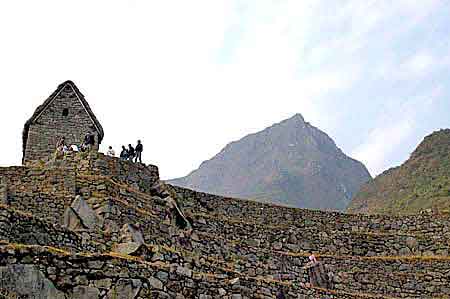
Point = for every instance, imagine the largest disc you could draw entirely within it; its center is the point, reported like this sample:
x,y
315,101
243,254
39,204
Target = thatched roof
x,y
47,103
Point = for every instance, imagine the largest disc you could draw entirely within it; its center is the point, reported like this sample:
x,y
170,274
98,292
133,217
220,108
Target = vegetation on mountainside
x,y
422,182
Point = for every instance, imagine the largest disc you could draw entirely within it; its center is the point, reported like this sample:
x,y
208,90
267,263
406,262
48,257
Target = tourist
x,y
89,141
60,144
111,152
139,149
59,152
312,259
124,153
319,275
131,153
65,149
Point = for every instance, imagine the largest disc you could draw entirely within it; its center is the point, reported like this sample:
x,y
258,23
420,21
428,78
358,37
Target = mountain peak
x,y
297,118
290,163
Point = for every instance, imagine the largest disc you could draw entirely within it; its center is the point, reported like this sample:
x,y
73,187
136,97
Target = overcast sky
x,y
188,77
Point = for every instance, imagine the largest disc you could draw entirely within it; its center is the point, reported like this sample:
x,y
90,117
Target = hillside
x,y
90,226
290,163
422,182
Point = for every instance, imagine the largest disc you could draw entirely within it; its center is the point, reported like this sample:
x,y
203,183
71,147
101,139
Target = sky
x,y
188,77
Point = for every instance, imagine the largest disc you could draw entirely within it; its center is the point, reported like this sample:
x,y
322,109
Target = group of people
x,y
127,154
86,145
131,153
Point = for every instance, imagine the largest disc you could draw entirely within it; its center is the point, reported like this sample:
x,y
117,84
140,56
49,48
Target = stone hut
x,y
65,113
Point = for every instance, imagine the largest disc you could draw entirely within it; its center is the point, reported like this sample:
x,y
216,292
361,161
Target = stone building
x,y
65,113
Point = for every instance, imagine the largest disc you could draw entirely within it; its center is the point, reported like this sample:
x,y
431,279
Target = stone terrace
x,y
73,227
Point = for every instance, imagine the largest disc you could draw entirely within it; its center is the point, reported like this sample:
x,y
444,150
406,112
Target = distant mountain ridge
x,y
422,182
290,163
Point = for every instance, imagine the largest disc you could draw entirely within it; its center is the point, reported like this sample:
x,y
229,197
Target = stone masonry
x,y
65,113
91,226
84,225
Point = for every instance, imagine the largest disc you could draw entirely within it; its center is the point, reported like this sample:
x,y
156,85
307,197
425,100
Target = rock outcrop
x,y
80,215
290,163
26,280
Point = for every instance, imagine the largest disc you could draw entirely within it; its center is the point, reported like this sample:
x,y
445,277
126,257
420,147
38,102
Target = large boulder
x,y
131,242
72,220
129,248
28,282
131,233
81,215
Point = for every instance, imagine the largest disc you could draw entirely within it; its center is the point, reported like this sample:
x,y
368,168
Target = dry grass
x,y
21,247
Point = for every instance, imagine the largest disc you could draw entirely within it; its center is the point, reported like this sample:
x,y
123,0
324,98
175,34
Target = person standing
x,y
124,153
131,153
89,141
139,149
319,275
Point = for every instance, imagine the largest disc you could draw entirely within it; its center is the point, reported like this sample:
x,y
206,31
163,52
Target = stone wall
x,y
231,248
47,189
115,276
21,228
46,130
242,210
3,191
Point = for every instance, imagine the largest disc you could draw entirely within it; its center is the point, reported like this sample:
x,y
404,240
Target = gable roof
x,y
47,103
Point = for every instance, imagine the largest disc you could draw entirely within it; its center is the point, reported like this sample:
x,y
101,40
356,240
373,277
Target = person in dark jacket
x,y
131,153
139,149
89,141
124,153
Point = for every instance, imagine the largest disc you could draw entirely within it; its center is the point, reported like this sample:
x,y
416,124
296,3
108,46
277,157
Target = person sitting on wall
x,y
61,143
59,153
131,153
124,153
111,152
139,150
65,149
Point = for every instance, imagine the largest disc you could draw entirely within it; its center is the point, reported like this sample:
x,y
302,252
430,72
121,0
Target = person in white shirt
x,y
111,152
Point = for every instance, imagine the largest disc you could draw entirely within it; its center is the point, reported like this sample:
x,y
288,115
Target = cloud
x,y
188,77
419,63
414,67
381,142
398,122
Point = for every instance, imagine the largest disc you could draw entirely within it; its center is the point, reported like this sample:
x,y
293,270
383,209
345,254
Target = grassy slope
x,y
422,182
